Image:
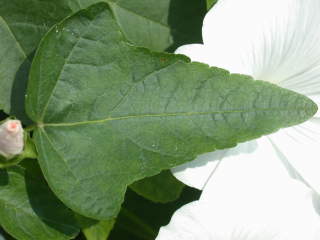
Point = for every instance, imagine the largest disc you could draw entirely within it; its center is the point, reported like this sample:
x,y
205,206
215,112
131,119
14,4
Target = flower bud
x,y
11,138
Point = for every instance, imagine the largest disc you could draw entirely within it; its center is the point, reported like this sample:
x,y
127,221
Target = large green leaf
x,y
109,113
162,188
149,23
29,210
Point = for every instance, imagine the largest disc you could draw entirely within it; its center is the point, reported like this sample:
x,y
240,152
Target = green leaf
x,y
99,231
12,56
162,188
29,210
133,224
34,17
22,25
210,3
109,114
94,229
158,25
149,23
140,219
5,236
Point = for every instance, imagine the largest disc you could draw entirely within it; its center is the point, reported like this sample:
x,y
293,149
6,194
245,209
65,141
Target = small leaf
x,y
93,229
99,231
210,3
29,210
162,188
109,114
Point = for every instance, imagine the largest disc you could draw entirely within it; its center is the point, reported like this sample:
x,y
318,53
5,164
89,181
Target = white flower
x,y
11,138
249,199
290,218
271,40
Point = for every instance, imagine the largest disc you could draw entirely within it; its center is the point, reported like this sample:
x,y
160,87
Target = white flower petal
x,y
272,40
299,147
197,172
287,214
246,174
188,223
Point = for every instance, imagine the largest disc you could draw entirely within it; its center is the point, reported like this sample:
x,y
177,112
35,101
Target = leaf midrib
x,y
179,114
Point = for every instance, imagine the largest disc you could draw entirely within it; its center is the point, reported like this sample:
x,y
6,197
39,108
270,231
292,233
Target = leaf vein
x,y
160,115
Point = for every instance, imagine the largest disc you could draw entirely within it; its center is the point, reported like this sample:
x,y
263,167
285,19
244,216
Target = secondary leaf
x,y
94,229
12,56
29,210
99,231
140,219
162,188
158,25
109,113
22,24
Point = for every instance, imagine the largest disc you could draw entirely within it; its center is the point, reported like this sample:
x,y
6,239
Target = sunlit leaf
x,y
109,114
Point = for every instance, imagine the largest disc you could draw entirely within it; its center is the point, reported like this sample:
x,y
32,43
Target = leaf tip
x,y
314,108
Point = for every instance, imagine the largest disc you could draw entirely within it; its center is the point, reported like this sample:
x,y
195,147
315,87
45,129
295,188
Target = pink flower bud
x,y
11,138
